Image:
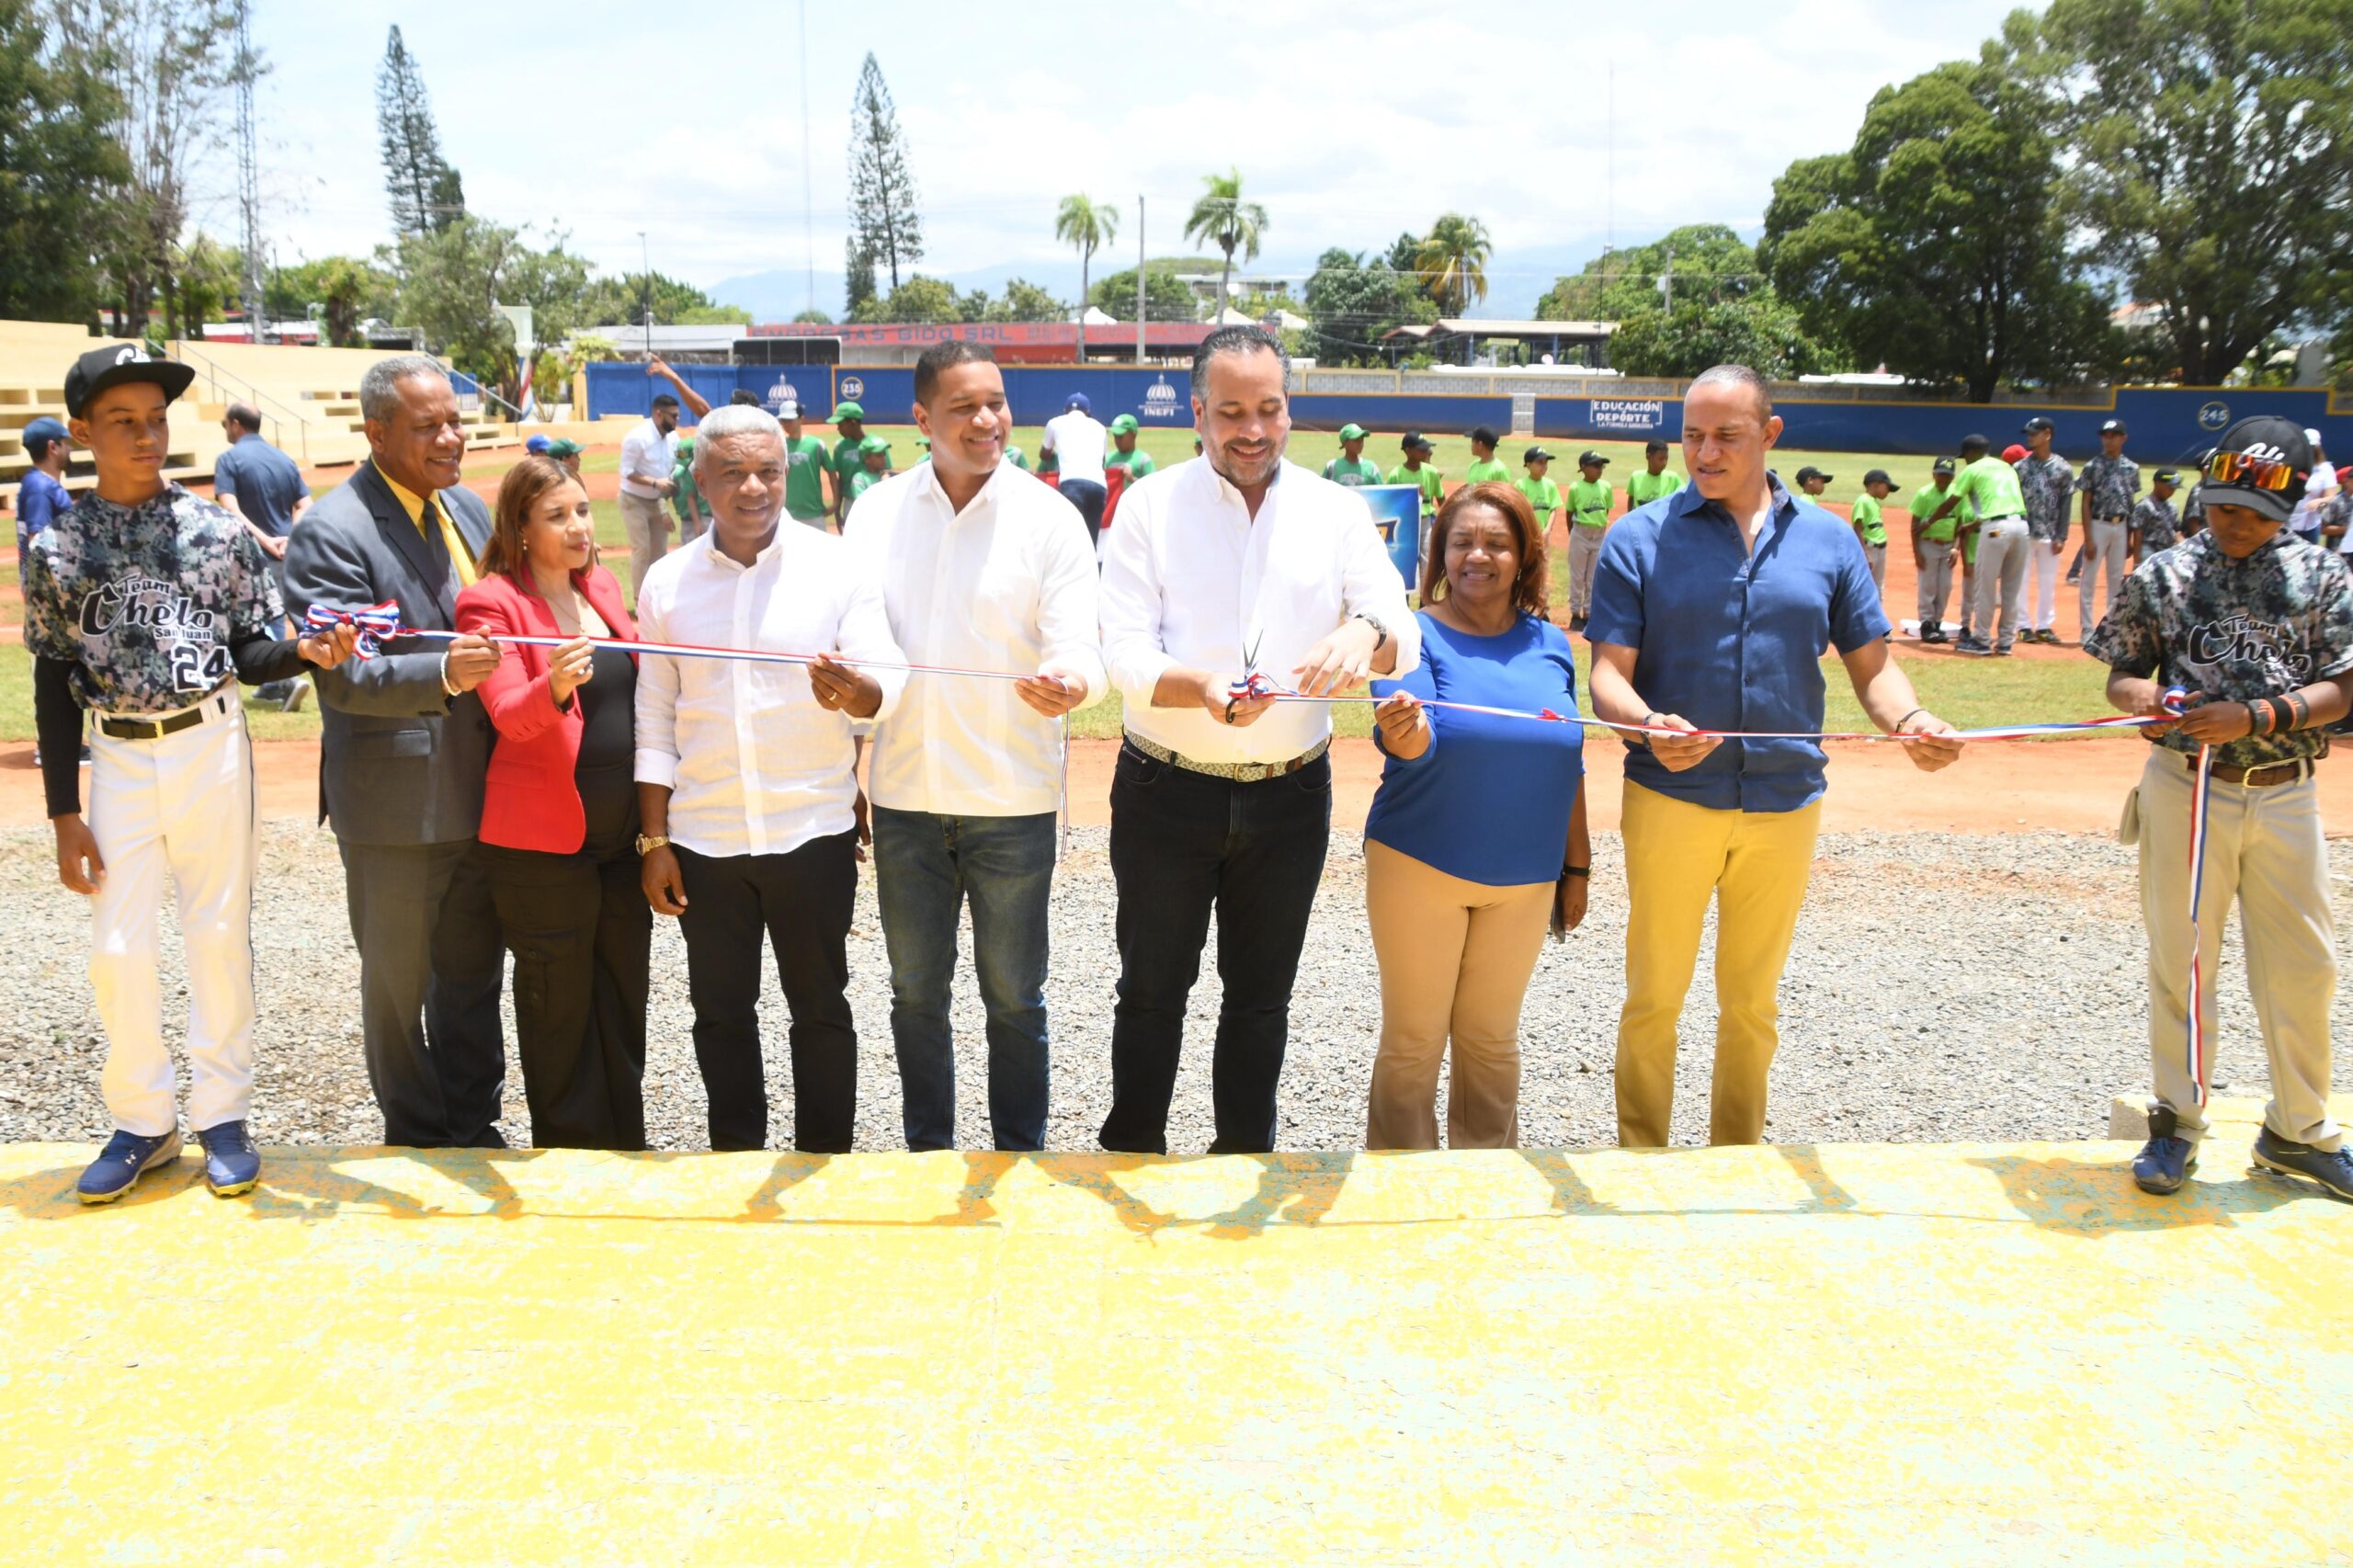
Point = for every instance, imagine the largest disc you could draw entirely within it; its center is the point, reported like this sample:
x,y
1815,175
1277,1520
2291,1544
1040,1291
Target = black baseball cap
x,y
1590,459
2165,476
2112,427
1483,434
2262,465
1942,465
2035,424
1535,454
1975,444
1877,476
110,366
1810,472
1413,438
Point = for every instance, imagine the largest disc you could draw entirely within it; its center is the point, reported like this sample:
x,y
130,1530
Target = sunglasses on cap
x,y
2251,471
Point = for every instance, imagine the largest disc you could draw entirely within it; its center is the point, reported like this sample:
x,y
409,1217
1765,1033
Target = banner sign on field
x,y
1397,512
1643,415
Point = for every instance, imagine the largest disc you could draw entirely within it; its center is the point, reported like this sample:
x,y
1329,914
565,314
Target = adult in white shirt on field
x,y
982,568
648,460
1235,564
747,781
1078,441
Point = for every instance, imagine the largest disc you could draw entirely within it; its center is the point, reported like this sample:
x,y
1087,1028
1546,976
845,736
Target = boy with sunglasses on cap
x,y
146,609
2257,626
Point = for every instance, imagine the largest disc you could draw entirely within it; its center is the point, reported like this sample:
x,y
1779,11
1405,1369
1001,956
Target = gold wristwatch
x,y
647,843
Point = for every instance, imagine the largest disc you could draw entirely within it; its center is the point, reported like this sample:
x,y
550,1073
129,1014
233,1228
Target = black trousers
x,y
583,940
1184,844
1089,498
430,963
801,902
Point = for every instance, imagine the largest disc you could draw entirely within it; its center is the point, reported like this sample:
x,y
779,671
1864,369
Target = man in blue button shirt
x,y
1711,607
256,481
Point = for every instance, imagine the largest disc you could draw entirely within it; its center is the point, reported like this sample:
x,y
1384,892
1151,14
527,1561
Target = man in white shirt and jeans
x,y
1078,441
648,460
1237,563
747,779
982,568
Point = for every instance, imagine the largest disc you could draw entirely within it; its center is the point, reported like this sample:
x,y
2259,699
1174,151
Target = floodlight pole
x,y
645,262
1140,306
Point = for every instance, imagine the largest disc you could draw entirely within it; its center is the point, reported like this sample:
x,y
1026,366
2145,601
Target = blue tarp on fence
x,y
2168,425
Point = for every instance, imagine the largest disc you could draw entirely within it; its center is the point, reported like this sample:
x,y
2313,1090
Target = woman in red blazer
x,y
559,815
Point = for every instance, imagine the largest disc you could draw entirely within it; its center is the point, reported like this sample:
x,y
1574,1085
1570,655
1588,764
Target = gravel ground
x,y
1942,989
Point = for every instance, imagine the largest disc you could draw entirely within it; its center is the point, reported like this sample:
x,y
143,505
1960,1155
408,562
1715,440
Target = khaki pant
x,y
1876,555
1969,626
1936,582
647,518
2263,851
1755,866
2002,547
2103,553
1584,551
1455,958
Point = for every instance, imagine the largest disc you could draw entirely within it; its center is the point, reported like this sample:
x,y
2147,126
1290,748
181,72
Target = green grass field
x,y
1967,693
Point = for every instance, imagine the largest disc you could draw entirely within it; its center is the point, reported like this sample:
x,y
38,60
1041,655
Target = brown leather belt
x,y
2295,771
215,706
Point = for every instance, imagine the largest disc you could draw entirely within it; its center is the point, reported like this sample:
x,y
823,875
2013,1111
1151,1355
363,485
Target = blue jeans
x,y
925,866
1183,844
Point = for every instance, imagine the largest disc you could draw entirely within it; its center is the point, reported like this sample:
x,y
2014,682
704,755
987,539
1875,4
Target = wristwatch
x,y
1380,632
647,843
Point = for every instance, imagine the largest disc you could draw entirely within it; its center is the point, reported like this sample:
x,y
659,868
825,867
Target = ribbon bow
x,y
376,624
1253,685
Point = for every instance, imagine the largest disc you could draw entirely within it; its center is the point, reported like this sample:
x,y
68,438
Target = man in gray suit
x,y
401,768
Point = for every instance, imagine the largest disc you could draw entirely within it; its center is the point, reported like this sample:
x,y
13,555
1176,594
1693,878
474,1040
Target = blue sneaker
x,y
2332,1168
122,1162
2165,1161
231,1164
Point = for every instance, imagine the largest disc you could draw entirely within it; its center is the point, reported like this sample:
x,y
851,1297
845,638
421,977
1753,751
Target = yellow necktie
x,y
460,558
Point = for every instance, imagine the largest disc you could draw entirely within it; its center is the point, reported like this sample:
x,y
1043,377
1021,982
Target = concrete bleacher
x,y
308,397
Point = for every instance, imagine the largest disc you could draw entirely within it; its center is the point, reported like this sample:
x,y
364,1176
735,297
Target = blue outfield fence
x,y
2166,424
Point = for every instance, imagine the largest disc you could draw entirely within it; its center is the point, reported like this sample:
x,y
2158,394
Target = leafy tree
x,y
2213,159
57,164
714,315
1709,263
1935,246
208,276
882,187
813,316
165,64
622,300
1758,331
859,295
922,299
1452,262
1351,303
1024,301
451,278
426,192
1166,297
343,290
1087,227
1405,253
1223,218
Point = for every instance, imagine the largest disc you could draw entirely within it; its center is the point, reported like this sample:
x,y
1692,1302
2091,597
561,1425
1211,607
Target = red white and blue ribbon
x,y
2176,703
377,624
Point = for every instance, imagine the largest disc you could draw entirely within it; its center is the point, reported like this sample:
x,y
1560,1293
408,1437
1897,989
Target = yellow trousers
x,y
1755,865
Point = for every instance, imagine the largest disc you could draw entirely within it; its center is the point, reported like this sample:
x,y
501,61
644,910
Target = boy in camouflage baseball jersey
x,y
146,608
2045,480
2154,524
2256,625
2109,484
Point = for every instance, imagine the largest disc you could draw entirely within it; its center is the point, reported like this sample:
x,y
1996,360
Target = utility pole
x,y
1140,295
645,288
1666,283
808,201
249,284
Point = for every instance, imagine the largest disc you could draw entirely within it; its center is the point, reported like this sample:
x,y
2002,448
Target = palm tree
x,y
1089,225
1224,218
1452,262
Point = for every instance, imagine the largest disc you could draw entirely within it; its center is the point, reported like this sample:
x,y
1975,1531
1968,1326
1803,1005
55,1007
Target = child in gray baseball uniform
x,y
2257,626
145,607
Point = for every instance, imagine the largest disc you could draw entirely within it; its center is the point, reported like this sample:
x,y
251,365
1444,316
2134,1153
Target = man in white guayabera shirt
x,y
649,456
1236,564
747,779
982,568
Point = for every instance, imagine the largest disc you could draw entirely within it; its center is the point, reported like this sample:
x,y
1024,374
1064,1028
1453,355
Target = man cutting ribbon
x,y
1710,612
2258,626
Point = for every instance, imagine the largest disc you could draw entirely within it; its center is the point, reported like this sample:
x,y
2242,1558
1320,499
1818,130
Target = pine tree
x,y
881,187
425,191
858,280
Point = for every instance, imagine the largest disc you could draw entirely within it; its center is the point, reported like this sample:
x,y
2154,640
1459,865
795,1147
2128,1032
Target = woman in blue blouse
x,y
1477,835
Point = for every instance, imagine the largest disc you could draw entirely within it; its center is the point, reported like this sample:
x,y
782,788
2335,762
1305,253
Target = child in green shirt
x,y
1416,471
1655,479
1484,467
1932,552
1543,495
1869,525
1589,502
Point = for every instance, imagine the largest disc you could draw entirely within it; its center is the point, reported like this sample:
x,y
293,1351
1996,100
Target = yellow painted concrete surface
x,y
1841,1353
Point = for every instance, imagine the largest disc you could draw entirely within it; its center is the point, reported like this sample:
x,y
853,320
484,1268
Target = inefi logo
x,y
2214,415
784,392
853,387
1160,400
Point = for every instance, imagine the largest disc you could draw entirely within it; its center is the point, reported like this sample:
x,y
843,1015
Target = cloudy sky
x,y
603,119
